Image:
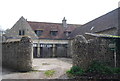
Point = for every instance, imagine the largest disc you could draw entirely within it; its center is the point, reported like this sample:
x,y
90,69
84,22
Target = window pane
x,y
36,31
23,32
53,33
19,32
39,32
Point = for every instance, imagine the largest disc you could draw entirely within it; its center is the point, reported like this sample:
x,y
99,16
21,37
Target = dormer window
x,y
39,32
21,32
53,33
67,33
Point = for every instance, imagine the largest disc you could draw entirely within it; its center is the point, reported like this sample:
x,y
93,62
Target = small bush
x,y
101,68
95,68
98,68
75,70
116,70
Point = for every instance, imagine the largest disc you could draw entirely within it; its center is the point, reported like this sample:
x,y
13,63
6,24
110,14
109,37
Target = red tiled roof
x,y
47,27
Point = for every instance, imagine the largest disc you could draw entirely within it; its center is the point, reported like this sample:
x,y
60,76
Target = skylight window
x,y
92,28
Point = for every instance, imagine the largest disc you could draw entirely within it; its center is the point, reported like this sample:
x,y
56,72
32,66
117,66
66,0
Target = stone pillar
x,y
69,49
24,62
80,55
38,50
53,49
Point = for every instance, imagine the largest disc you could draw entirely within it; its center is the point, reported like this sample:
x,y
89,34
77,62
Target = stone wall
x,y
0,57
118,33
85,52
118,52
69,49
17,55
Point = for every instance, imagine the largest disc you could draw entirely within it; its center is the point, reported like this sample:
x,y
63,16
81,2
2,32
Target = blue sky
x,y
75,11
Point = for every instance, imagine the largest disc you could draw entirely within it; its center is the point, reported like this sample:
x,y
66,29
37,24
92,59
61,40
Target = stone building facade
x,y
49,39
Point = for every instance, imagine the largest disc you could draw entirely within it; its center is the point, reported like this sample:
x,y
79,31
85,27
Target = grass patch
x,y
49,73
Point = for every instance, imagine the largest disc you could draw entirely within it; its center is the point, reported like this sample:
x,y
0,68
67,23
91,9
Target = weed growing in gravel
x,y
49,73
45,64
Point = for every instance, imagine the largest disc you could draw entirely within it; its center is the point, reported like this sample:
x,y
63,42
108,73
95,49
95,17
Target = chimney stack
x,y
64,23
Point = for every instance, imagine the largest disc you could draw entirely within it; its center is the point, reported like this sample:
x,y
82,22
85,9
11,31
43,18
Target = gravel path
x,y
60,65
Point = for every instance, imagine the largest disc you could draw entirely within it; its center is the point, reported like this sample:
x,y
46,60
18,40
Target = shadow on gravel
x,y
68,60
7,71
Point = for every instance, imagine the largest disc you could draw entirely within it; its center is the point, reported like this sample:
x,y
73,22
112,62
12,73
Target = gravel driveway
x,y
59,65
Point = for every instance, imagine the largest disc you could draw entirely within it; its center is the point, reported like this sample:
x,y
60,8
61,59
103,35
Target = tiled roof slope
x,y
47,27
101,23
